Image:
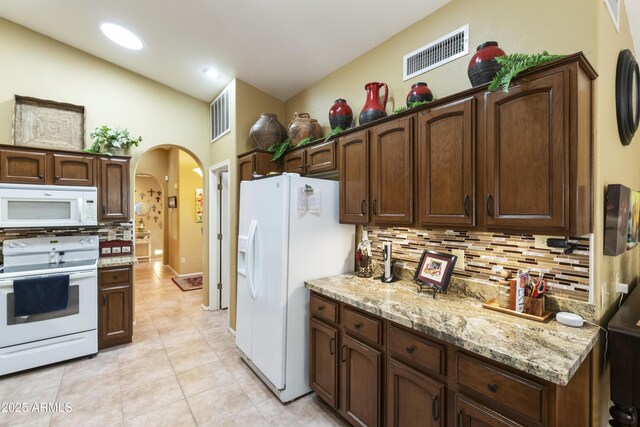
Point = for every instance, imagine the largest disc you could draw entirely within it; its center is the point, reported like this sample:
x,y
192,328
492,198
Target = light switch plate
x,y
460,265
105,251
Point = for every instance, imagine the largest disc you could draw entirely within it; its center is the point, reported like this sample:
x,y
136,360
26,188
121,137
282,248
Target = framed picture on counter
x,y
435,269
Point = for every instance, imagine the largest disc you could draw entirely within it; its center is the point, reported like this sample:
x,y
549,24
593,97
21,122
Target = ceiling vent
x,y
447,48
220,115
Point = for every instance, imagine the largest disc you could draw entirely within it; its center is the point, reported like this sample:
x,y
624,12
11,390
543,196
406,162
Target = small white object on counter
x,y
569,319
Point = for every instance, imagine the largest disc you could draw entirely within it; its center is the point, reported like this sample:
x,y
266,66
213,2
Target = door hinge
x,y
219,186
219,285
219,236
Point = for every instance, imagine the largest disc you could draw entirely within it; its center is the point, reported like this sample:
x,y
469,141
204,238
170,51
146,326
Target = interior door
x,y
225,247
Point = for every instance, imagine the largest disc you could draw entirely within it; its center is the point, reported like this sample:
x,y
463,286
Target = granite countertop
x,y
548,350
117,261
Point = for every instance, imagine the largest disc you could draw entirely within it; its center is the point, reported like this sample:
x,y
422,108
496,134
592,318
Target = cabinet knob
x,y
321,307
115,276
358,325
459,418
332,346
57,177
41,176
410,349
492,388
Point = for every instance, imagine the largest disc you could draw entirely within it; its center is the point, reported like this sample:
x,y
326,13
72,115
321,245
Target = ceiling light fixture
x,y
211,73
121,36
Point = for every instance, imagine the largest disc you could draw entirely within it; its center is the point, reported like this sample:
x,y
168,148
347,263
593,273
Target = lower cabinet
x,y
361,391
413,399
115,306
374,372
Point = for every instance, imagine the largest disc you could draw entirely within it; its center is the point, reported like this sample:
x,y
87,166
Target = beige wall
x,y
247,103
528,27
190,234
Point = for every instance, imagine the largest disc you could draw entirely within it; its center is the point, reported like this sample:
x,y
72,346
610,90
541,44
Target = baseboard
x,y
232,331
206,307
170,268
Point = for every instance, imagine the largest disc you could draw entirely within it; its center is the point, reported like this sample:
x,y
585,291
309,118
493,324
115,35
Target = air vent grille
x,y
220,115
447,48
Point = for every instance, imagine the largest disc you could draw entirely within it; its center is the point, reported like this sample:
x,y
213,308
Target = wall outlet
x,y
105,251
183,260
622,288
116,250
128,235
460,262
541,241
126,249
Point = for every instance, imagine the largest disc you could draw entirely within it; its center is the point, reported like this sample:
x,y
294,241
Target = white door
x,y
265,262
225,247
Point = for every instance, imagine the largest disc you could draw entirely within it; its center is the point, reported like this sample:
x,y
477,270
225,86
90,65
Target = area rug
x,y
188,283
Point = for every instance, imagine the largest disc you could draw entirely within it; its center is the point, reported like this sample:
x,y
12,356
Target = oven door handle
x,y
82,275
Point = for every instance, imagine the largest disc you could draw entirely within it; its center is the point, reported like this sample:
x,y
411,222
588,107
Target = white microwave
x,y
26,205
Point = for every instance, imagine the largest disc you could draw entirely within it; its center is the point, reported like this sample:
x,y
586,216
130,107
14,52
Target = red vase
x,y
340,114
420,92
374,109
483,65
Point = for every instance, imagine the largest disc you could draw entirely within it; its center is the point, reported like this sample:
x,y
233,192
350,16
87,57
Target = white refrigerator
x,y
288,232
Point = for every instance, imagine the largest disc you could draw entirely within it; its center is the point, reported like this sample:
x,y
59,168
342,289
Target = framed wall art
x,y
47,124
172,202
199,204
616,219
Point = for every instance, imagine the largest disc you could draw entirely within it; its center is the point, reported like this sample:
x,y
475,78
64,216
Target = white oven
x,y
59,334
26,205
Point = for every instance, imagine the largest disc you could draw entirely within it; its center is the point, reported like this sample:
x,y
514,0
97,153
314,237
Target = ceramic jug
x,y
303,126
373,109
419,92
340,114
483,65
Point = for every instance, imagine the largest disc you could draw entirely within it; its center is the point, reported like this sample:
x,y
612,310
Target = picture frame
x,y
172,202
199,205
42,123
616,219
435,269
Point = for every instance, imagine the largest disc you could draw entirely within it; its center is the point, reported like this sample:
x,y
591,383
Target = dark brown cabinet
x,y
71,169
354,178
46,167
361,387
446,165
473,414
413,399
312,159
113,189
323,372
258,162
294,161
23,167
115,306
391,173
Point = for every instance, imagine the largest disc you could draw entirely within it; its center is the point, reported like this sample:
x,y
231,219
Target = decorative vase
x,y
483,65
374,109
419,92
303,126
340,114
267,131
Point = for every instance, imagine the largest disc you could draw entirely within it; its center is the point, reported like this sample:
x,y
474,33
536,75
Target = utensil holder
x,y
534,306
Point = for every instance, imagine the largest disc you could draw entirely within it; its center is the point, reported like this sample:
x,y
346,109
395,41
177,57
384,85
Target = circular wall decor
x,y
627,96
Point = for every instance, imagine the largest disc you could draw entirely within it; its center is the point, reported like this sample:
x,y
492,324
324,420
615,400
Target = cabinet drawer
x,y
514,392
425,354
324,309
321,158
115,276
362,325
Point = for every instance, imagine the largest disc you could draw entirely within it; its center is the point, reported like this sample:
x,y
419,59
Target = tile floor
x,y
182,369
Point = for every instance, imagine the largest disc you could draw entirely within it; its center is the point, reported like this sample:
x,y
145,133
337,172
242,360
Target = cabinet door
x,y
114,189
321,158
361,379
23,167
446,165
354,178
294,161
472,414
527,177
246,166
323,364
69,169
392,172
413,399
115,325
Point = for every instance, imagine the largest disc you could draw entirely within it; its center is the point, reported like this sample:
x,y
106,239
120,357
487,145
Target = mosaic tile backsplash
x,y
567,275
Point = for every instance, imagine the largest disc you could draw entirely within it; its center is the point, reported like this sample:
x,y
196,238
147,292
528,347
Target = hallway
x,y
181,369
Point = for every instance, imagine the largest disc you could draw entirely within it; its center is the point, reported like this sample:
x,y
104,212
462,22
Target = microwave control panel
x,y
90,210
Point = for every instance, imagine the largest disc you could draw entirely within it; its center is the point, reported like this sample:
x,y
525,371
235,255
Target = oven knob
x,y
82,241
23,245
90,241
12,245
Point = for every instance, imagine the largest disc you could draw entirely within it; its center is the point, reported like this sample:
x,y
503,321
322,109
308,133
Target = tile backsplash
x,y
567,275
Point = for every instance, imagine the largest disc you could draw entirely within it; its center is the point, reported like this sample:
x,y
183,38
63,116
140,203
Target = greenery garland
x,y
516,63
279,148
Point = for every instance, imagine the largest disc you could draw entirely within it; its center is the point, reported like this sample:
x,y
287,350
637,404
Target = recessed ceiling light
x,y
211,73
121,36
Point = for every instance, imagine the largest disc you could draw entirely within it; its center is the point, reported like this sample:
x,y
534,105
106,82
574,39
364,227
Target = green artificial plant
x,y
516,63
106,139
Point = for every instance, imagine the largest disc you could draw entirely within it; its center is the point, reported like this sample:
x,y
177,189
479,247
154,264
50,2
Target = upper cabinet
x,y
113,189
538,164
23,167
446,165
354,178
71,169
391,179
256,162
312,159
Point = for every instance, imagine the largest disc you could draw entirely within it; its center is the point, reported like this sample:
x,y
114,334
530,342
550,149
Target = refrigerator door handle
x,y
250,257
